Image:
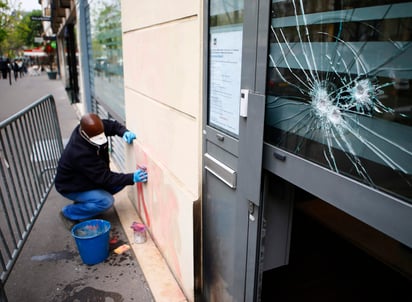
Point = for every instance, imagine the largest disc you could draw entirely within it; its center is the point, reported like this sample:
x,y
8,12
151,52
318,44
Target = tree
x,y
28,29
3,21
10,15
17,30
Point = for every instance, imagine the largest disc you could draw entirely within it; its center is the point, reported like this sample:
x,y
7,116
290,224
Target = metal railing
x,y
30,147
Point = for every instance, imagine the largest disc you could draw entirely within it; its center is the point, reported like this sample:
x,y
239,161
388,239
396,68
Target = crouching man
x,y
83,173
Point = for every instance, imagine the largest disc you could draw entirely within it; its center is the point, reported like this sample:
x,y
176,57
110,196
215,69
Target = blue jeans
x,y
89,203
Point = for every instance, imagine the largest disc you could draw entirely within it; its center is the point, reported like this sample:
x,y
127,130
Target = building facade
x,y
257,122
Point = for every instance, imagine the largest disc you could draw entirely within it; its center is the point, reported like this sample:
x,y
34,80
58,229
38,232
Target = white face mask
x,y
99,139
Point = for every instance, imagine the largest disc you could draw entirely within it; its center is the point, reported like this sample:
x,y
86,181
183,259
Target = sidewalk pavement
x,y
49,267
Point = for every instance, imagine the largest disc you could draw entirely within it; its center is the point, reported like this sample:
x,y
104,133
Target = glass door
x,y
339,105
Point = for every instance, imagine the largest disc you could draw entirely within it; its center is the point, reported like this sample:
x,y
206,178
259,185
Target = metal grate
x,y
116,144
30,147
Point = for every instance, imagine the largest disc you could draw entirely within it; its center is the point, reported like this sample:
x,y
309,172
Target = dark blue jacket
x,y
83,166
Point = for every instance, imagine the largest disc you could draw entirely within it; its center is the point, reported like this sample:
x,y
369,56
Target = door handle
x,y
220,170
220,137
279,156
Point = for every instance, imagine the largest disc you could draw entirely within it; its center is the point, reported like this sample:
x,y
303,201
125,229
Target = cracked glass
x,y
338,87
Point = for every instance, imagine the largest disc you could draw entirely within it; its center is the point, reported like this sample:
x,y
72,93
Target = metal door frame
x,y
282,163
248,147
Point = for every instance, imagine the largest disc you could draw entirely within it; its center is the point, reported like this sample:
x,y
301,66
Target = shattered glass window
x,y
339,88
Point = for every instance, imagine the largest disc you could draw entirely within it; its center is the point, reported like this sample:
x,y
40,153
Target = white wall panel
x,y
163,63
169,136
140,14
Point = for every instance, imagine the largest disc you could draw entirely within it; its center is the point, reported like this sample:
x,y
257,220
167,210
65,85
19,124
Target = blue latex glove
x,y
129,136
140,176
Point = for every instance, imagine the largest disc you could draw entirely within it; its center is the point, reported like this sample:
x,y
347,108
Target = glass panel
x,y
225,58
339,88
107,56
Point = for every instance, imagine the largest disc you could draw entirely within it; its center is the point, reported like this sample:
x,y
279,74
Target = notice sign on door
x,y
225,72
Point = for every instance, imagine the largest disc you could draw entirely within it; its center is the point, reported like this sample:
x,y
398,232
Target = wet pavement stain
x,y
123,260
90,294
62,255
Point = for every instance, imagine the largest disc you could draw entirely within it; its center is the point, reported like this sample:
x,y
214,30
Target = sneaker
x,y
68,223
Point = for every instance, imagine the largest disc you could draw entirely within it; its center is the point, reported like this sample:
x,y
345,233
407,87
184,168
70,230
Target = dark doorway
x,y
324,266
72,82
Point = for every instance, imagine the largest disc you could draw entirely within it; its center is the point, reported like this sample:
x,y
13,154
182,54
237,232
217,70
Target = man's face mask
x,y
99,139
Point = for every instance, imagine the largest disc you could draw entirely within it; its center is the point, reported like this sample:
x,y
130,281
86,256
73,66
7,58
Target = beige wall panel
x,y
167,209
169,136
162,75
140,14
163,63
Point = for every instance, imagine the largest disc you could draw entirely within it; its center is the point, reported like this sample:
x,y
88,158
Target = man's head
x,y
92,129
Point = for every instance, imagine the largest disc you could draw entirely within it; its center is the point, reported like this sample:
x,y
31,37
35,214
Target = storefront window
x,y
339,88
107,57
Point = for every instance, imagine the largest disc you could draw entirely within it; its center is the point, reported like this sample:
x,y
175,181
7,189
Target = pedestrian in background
x,y
9,68
15,68
3,68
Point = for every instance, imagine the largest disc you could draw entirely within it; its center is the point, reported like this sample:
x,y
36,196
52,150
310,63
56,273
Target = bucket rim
x,y
106,223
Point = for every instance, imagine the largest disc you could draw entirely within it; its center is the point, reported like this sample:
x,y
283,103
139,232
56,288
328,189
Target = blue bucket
x,y
92,240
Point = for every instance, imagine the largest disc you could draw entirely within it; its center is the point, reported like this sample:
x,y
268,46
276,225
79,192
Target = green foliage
x,y
4,20
17,30
28,29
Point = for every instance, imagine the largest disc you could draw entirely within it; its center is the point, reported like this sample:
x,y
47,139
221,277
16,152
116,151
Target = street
x,y
25,91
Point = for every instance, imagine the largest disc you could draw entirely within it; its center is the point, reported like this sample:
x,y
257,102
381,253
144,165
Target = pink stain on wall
x,y
158,206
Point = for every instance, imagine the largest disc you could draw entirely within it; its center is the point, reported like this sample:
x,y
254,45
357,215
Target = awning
x,y
35,52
